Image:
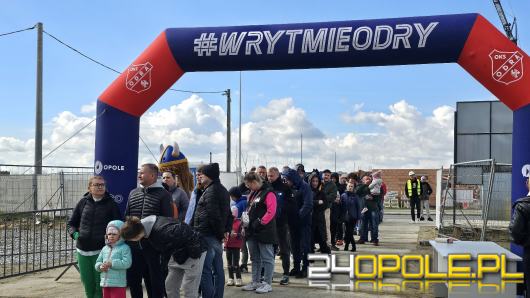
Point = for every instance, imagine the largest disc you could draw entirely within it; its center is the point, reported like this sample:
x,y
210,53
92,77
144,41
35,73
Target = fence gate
x,y
34,211
476,201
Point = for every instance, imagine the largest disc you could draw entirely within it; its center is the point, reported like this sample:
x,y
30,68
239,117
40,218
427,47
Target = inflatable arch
x,y
467,39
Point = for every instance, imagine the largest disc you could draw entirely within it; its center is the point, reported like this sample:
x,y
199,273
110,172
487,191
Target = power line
x,y
145,144
78,52
70,137
21,30
118,72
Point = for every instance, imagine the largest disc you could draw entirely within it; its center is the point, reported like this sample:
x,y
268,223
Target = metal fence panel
x,y
476,200
35,241
56,187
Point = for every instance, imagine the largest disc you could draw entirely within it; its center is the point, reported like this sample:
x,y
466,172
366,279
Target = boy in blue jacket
x,y
113,261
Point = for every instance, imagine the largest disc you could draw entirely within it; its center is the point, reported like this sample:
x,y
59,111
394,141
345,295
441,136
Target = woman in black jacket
x,y
320,204
87,226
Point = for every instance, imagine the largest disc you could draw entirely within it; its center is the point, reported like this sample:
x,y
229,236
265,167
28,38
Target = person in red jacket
x,y
233,244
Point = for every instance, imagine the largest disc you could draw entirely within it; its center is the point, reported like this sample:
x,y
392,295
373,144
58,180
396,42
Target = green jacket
x,y
121,259
330,190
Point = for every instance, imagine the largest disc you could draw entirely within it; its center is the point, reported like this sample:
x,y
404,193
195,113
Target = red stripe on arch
x,y
486,52
145,80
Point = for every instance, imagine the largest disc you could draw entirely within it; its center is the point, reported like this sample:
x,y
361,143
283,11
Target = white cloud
x,y
404,137
407,139
89,108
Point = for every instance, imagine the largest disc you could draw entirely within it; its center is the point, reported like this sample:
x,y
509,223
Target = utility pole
x,y
210,157
239,162
301,147
38,117
38,111
335,161
228,130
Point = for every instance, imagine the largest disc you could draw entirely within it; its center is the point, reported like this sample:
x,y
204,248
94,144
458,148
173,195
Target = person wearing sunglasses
x,y
87,226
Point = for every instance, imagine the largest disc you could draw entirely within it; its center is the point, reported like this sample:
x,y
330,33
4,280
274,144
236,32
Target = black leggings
x,y
232,258
348,239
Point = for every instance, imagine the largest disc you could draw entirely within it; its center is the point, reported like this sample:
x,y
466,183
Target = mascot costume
x,y
174,161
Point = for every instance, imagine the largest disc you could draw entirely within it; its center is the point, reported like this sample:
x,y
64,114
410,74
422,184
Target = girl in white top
x,y
375,186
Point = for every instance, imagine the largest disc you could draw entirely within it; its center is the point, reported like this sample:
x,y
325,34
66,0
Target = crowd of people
x,y
174,241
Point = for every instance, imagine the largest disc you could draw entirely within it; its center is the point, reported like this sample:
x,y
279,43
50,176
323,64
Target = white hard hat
x,y
411,173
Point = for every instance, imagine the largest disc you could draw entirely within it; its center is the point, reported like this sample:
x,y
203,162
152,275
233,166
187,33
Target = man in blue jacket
x,y
300,221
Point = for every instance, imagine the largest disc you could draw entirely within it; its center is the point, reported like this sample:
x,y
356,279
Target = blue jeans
x,y
213,276
262,256
370,217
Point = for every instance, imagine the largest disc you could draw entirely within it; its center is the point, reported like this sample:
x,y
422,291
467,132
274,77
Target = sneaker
x,y
353,250
294,272
346,248
334,248
422,218
265,288
230,282
285,280
239,282
376,243
251,286
429,219
412,221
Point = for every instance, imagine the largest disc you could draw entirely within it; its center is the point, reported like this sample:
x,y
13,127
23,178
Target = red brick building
x,y
395,180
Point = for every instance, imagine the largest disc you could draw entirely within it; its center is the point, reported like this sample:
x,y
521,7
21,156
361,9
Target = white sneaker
x,y
412,221
230,282
251,286
239,282
265,288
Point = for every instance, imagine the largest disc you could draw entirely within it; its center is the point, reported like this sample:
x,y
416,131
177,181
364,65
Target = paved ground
x,y
398,236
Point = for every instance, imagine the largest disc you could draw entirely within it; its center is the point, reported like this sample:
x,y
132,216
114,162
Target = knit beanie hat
x,y
211,171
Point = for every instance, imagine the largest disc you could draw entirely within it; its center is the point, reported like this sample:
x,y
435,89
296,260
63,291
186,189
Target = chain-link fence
x,y
476,200
57,187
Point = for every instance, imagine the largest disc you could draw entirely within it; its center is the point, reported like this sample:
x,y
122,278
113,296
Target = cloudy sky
x,y
382,117
270,137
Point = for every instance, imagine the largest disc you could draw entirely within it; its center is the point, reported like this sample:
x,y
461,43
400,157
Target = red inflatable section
x,y
145,80
497,63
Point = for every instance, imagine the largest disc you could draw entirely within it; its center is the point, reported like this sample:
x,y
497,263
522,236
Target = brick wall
x,y
395,180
